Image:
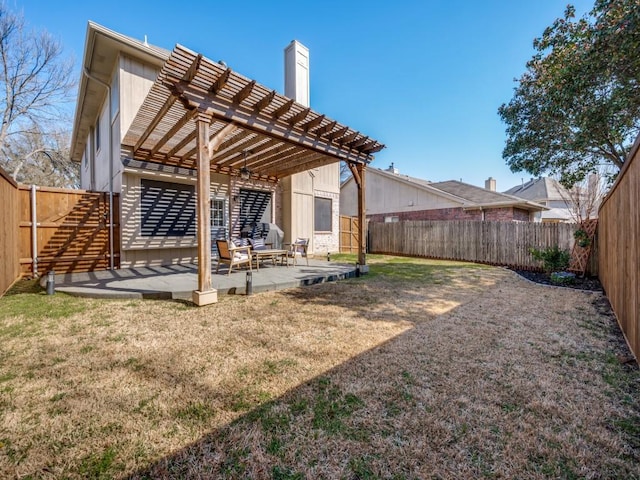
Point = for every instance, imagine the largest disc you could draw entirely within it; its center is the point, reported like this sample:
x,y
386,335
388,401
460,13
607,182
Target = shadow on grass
x,y
433,401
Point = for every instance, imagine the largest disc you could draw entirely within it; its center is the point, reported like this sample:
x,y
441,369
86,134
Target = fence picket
x,y
495,243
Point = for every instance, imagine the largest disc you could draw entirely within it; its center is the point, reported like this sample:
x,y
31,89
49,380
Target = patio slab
x,y
178,281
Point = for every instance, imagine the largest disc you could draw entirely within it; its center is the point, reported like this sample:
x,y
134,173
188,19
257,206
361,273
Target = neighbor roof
x,y
468,195
540,189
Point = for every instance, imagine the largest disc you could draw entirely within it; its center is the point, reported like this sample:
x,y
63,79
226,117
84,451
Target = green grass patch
x,y
331,407
5,377
196,412
37,306
409,268
284,473
99,466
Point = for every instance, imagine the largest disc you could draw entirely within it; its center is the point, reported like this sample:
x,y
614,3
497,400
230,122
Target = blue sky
x,y
423,77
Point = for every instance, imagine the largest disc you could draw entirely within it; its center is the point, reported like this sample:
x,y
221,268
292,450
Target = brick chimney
x,y
490,184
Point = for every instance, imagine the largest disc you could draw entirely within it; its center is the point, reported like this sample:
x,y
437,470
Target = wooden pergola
x,y
201,115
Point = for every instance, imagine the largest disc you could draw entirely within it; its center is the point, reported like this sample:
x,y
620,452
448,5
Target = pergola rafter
x,y
201,115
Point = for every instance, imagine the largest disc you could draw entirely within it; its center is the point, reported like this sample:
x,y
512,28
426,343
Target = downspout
x,y
312,240
108,87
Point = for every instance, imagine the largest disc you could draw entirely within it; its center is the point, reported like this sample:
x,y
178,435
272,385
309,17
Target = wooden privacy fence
x,y
348,234
9,263
494,243
619,256
65,230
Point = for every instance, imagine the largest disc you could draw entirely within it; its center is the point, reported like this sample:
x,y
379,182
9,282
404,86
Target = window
x,y
391,219
167,209
97,135
217,213
322,214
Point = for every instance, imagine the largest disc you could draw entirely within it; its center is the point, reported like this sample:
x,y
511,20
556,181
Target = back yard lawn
x,y
422,369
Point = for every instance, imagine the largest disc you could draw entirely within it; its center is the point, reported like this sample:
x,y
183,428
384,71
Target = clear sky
x,y
425,78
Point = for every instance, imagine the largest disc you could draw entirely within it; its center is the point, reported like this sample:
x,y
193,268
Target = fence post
x,y
34,233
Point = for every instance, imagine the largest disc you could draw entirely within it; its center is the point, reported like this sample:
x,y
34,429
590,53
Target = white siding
x,y
384,194
101,151
136,79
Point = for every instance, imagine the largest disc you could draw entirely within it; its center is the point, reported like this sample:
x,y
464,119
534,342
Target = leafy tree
x,y
37,90
577,105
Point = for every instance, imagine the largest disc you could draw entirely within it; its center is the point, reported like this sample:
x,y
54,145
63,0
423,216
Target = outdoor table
x,y
269,253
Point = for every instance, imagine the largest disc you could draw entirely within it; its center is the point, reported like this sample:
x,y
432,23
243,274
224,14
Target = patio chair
x,y
232,255
298,249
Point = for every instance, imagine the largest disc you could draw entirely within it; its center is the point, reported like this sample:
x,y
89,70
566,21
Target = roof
x,y
101,51
468,195
272,135
255,127
540,189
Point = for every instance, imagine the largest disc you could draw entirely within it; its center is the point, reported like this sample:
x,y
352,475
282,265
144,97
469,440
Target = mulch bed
x,y
579,283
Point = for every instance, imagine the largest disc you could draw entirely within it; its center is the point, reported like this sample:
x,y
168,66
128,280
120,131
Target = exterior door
x,y
219,222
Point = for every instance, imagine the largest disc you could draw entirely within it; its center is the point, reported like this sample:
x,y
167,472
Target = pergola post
x,y
205,293
358,171
362,220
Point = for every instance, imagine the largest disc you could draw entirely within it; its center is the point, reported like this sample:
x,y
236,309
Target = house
x,y
196,151
393,197
549,192
118,74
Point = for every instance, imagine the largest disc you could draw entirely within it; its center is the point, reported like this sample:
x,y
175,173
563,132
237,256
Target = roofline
x,y
516,203
149,53
467,204
434,190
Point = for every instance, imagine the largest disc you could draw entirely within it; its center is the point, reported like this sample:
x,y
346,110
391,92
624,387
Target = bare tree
x,y
584,197
37,85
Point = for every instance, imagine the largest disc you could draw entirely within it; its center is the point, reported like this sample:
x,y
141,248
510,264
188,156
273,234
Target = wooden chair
x,y
298,249
232,256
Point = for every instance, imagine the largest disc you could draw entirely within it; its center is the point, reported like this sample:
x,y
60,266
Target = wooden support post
x,y
362,219
205,293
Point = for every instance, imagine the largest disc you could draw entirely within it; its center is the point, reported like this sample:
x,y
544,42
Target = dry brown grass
x,y
445,371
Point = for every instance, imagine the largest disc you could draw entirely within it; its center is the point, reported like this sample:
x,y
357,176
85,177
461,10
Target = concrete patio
x,y
178,281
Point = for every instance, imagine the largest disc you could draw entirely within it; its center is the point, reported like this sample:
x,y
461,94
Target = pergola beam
x,y
283,109
220,82
248,119
264,102
218,139
244,93
171,133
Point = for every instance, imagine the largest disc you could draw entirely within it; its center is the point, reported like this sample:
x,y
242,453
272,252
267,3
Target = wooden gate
x,y
348,234
66,230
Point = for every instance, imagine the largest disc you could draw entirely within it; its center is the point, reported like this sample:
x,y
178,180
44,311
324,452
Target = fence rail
x,y
494,243
619,225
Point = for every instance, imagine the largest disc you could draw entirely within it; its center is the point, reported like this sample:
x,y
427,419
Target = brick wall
x,y
521,215
437,214
498,214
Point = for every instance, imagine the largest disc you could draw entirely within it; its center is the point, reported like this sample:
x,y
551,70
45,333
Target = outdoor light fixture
x,y
245,173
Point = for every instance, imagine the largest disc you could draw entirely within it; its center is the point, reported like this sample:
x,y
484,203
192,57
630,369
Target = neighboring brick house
x,y
392,197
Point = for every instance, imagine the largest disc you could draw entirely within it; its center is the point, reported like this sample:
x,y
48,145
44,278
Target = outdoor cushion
x,y
258,244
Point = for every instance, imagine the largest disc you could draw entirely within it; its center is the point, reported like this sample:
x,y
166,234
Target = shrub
x,y
552,258
563,278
